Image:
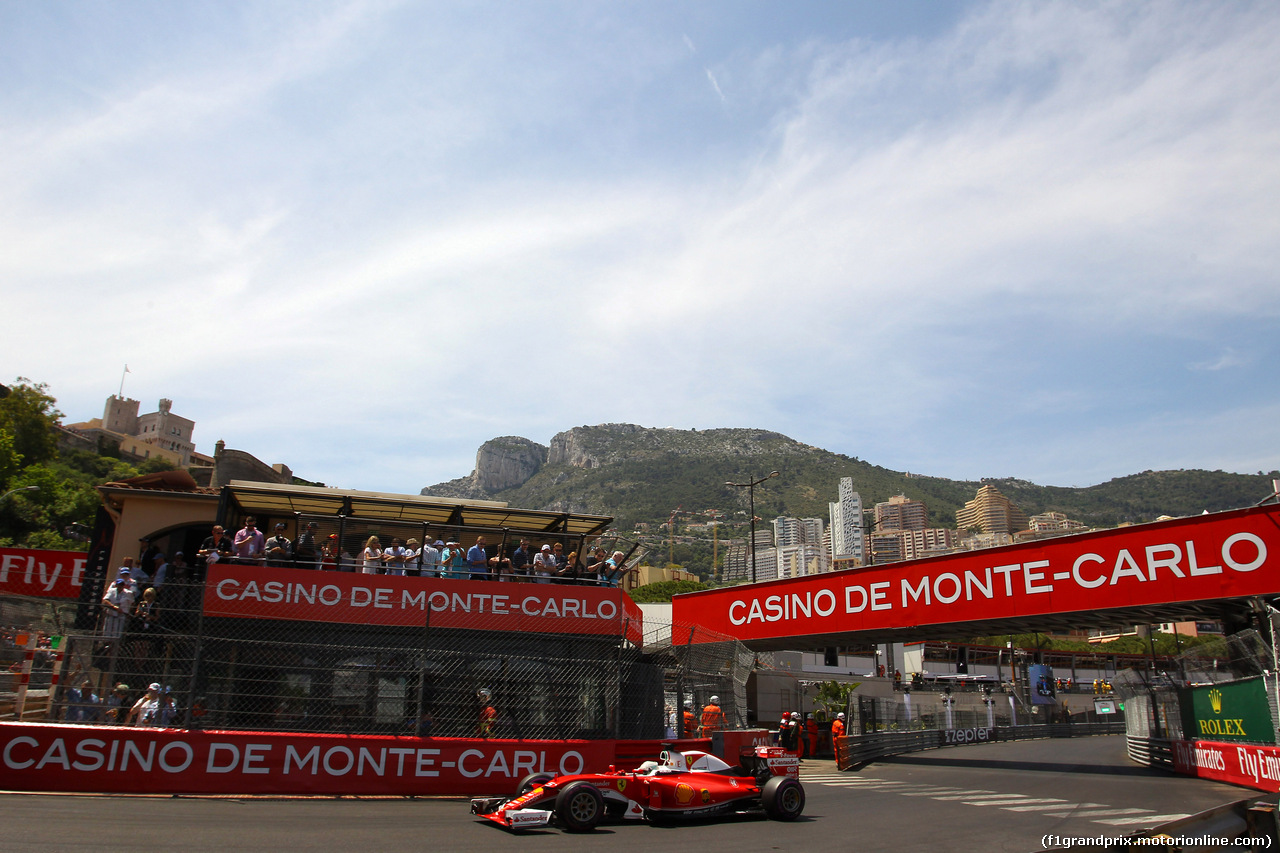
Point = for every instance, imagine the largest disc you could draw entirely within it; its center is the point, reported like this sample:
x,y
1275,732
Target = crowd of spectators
x,y
147,598
155,707
443,558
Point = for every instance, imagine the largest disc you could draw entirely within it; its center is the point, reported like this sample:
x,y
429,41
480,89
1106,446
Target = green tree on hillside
x,y
656,593
51,496
27,414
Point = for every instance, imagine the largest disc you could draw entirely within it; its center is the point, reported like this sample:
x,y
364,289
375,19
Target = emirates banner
x,y
1238,764
110,759
1226,555
254,592
43,574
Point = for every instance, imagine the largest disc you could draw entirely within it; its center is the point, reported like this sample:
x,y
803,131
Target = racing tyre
x,y
580,807
533,780
782,798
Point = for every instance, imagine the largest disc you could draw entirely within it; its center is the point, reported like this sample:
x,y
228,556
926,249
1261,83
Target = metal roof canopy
x,y
274,501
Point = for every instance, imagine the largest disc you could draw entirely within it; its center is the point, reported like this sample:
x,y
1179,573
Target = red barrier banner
x,y
43,574
110,759
255,592
1219,556
1235,763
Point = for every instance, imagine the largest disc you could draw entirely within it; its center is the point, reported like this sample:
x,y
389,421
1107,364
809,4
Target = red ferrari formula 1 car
x,y
678,786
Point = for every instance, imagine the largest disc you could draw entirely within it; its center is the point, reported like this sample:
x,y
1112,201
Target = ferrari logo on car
x,y
706,795
622,785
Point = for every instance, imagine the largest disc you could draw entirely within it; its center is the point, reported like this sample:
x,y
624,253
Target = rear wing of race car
x,y
763,762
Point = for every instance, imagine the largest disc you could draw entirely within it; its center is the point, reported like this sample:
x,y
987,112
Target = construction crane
x,y
714,515
671,535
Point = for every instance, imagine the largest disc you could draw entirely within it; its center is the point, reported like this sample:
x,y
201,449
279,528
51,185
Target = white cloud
x,y
877,246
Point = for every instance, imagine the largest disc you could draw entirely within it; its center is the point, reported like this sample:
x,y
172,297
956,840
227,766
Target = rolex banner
x,y
1234,712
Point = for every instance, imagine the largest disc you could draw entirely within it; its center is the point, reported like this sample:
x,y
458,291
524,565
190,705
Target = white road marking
x,y
1152,819
1050,806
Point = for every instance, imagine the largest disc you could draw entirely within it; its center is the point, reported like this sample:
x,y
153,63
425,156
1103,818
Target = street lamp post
x,y
19,489
750,486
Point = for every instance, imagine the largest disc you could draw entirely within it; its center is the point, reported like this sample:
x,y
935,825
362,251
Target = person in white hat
x,y
143,712
544,564
837,734
488,714
454,560
117,601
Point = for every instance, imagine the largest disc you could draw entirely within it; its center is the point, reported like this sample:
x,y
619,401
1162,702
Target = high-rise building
x,y
737,561
786,531
796,531
794,547
807,558
901,513
846,526
991,512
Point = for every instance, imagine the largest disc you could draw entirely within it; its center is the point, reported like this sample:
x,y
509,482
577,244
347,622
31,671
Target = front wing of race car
x,y
580,802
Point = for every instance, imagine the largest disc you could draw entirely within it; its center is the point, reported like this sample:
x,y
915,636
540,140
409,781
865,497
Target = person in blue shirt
x,y
454,561
520,560
614,569
478,560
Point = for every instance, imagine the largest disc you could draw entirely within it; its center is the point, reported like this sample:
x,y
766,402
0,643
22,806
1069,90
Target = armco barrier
x,y
857,750
113,759
1152,752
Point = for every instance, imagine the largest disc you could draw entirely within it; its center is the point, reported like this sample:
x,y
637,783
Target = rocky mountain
x,y
640,474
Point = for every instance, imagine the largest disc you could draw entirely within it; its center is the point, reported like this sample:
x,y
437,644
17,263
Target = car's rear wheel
x,y
782,798
580,807
533,780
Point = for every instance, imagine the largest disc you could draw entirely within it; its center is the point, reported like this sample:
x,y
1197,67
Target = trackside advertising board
x,y
1236,763
41,574
110,759
253,592
1226,555
1236,711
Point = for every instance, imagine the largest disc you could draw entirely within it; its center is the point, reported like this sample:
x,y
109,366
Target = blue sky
x,y
1036,240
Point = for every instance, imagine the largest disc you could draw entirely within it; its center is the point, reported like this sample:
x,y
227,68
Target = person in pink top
x,y
249,543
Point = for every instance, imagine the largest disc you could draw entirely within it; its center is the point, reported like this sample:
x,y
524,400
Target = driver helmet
x,y
715,700
648,767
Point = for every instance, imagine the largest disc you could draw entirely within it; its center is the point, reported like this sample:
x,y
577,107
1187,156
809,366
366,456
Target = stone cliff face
x,y
586,447
511,461
503,463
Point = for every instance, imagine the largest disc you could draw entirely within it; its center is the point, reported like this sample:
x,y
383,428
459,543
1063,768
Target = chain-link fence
x,y
926,711
700,668
450,658
1155,698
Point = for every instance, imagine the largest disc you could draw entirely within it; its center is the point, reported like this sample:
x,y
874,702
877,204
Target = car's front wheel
x,y
782,798
580,807
533,780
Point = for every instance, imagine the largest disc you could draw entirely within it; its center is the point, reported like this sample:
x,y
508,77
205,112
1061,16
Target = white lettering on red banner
x,y
1254,766
1205,557
45,574
298,594
46,757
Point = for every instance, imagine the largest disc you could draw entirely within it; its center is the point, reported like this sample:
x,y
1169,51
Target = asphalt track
x,y
990,797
